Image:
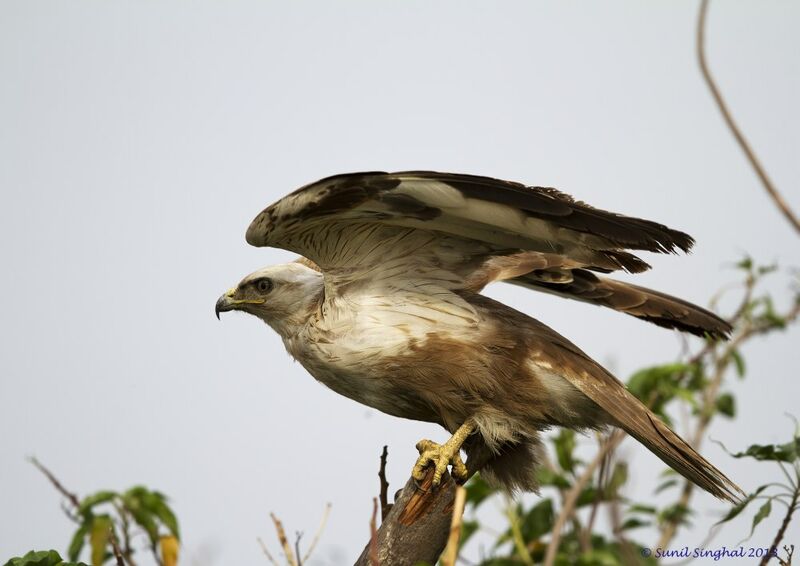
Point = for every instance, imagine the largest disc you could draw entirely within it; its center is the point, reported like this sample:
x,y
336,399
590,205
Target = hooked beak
x,y
225,303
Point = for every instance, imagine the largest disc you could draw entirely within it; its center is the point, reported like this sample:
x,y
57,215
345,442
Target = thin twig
x,y
627,554
384,493
572,495
451,550
298,536
71,497
321,528
726,114
373,534
287,550
586,533
516,533
784,525
112,538
265,550
789,549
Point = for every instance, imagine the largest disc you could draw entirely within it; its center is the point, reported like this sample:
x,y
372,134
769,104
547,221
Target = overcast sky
x,y
138,140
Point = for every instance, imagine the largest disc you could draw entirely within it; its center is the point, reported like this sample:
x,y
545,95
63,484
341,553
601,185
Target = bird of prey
x,y
384,307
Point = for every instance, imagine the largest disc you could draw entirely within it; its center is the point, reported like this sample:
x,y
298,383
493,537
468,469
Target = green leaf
x,y
746,263
41,558
547,477
657,385
564,444
589,496
739,507
671,482
95,499
762,514
135,502
618,478
677,513
478,490
168,519
726,405
77,542
634,523
638,508
98,538
600,557
772,452
738,361
538,521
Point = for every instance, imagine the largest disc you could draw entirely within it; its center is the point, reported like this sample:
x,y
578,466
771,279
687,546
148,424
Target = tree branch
x,y
384,493
451,550
71,497
784,525
417,527
726,114
572,495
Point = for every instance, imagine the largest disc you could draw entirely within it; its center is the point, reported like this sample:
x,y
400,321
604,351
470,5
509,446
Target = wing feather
x,y
646,304
466,231
500,213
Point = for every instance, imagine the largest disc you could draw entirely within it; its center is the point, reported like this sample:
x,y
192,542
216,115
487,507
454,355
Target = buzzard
x,y
384,307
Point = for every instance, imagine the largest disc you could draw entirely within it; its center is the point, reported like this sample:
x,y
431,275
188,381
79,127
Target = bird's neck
x,y
292,321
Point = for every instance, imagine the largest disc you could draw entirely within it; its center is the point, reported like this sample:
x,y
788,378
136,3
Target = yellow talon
x,y
442,455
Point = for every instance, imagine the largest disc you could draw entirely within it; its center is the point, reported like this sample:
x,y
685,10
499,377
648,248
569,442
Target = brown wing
x,y
558,275
500,214
630,414
464,231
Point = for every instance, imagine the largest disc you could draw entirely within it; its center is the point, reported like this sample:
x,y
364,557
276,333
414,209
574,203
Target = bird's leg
x,y
443,454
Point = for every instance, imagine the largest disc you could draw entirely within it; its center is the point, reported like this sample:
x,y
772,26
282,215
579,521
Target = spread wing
x,y
464,231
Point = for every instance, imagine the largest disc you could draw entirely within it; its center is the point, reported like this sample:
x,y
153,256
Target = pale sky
x,y
138,140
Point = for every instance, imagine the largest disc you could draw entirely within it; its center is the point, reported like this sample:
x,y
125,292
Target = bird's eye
x,y
264,285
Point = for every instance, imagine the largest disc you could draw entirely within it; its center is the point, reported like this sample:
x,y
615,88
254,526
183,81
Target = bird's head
x,y
283,296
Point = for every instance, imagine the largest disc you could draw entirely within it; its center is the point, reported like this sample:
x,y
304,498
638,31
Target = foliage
x,y
693,385
106,513
106,524
41,558
786,494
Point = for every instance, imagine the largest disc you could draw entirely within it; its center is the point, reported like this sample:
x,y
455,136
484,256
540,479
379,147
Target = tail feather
x,y
630,414
677,454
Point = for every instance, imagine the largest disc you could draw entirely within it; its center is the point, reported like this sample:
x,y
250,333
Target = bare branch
x,y
112,538
789,549
451,550
298,536
384,494
726,114
574,492
71,497
782,530
373,534
321,528
287,550
520,547
265,550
